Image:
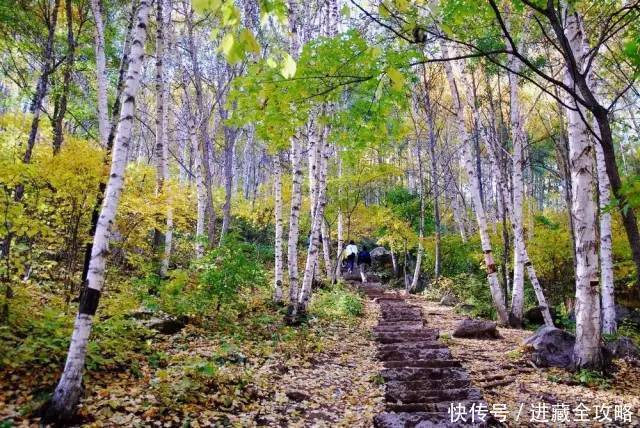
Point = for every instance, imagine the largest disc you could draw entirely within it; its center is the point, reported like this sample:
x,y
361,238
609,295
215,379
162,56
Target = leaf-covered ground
x,y
258,372
500,369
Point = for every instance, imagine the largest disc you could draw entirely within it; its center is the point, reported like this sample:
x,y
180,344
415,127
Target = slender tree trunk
x,y
297,176
314,244
228,180
115,113
160,148
434,179
168,233
61,104
340,227
518,138
41,90
606,257
67,393
416,274
201,190
278,269
101,74
204,131
492,275
587,351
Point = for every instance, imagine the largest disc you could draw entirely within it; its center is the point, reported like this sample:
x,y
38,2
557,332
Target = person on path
x,y
351,252
364,262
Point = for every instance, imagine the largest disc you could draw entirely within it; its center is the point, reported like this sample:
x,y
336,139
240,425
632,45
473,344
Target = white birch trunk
x,y
314,242
294,220
104,126
587,351
161,148
67,393
492,274
340,226
278,274
416,273
606,245
518,137
297,175
201,189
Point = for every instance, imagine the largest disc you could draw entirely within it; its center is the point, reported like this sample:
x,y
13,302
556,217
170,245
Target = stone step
x,y
420,420
437,407
427,384
401,395
419,344
399,326
422,373
398,364
404,337
415,353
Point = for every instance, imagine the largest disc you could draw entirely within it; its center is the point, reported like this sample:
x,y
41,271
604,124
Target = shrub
x,y
337,302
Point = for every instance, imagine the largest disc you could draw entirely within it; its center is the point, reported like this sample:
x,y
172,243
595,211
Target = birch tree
x,y
67,393
278,250
587,351
101,74
297,174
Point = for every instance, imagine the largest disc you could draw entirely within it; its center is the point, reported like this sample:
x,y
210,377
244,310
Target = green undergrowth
x,y
337,302
213,362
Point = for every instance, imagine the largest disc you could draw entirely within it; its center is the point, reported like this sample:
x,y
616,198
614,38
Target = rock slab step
x,y
422,380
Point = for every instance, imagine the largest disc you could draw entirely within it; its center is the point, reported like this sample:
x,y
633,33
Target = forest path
x,y
422,379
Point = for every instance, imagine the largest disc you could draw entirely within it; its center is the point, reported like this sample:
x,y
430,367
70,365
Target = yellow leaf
x,y
250,41
288,69
397,79
227,44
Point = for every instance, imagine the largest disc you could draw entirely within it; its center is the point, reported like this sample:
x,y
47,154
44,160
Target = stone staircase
x,y
422,380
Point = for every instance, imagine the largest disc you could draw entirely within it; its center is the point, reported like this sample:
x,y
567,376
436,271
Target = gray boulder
x,y
552,347
476,329
159,321
449,299
165,325
624,348
380,255
626,314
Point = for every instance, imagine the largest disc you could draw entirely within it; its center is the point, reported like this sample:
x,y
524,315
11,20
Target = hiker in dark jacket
x,y
364,262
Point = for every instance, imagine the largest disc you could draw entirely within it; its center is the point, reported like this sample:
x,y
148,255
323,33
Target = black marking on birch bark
x,y
89,301
528,263
491,268
594,283
487,251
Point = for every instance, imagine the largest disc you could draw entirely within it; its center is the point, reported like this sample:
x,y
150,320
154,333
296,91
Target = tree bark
x,y
202,126
416,274
61,104
587,351
606,247
297,175
101,74
314,243
278,250
67,393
